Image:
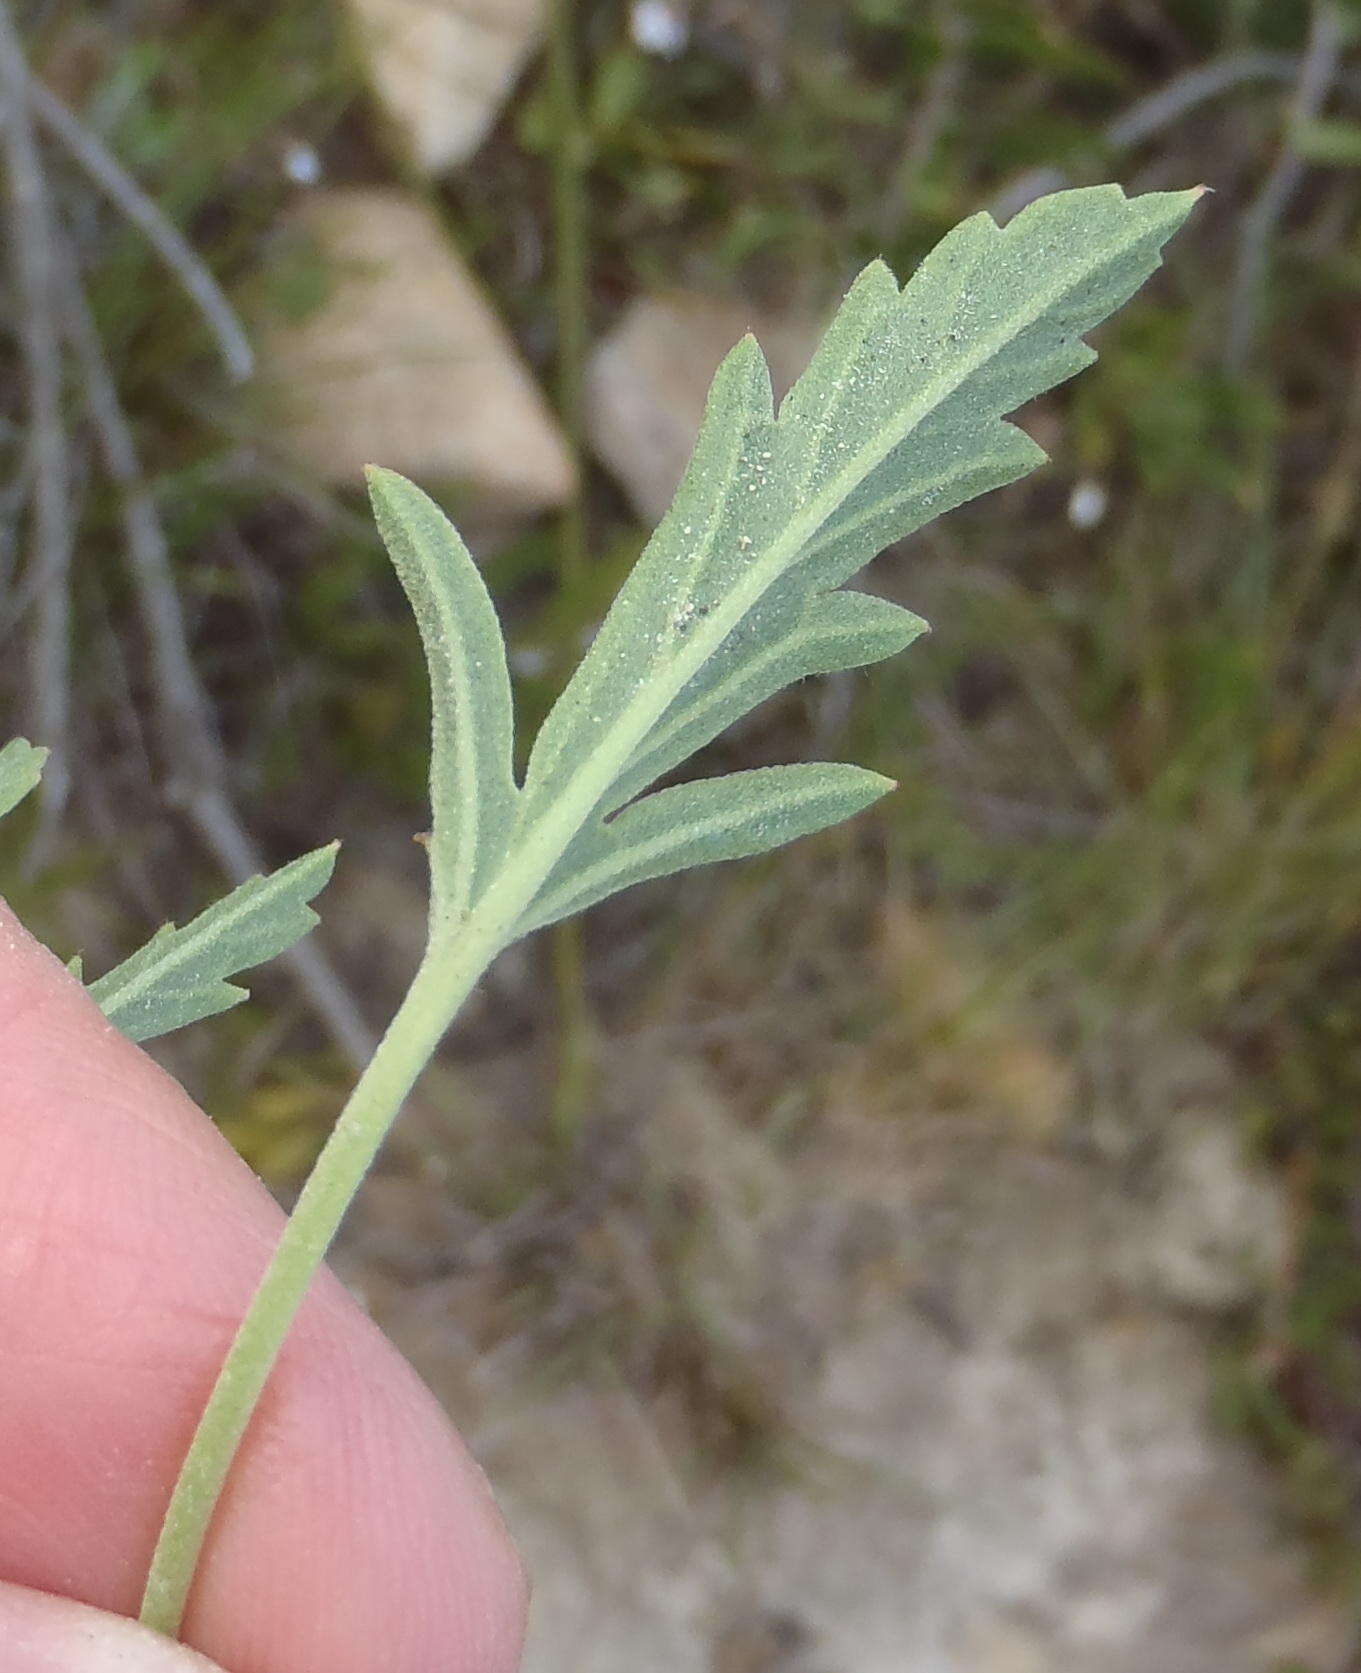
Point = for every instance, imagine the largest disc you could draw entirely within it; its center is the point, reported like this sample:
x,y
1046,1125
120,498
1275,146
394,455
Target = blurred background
x,y
937,1248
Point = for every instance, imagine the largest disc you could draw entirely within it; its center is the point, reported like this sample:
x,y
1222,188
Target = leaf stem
x,y
446,977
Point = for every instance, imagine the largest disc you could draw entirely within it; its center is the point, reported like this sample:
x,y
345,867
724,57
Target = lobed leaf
x,y
833,631
472,789
21,767
899,417
727,818
180,976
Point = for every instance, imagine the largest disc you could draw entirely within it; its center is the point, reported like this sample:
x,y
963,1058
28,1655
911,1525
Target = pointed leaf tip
x,y
21,768
180,976
728,818
472,791
902,414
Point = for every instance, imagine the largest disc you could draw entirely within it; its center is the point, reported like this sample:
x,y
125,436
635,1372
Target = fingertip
x,y
23,957
431,1572
505,1591
39,993
40,1633
131,1238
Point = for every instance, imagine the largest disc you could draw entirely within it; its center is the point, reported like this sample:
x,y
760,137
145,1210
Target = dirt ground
x,y
965,1419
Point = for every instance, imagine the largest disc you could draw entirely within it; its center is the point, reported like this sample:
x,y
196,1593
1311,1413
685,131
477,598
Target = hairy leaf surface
x,y
899,417
727,818
472,790
181,975
21,767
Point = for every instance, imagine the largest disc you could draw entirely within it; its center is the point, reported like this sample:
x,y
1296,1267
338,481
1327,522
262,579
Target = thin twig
x,y
571,281
14,590
1318,71
570,275
188,737
1148,116
32,238
216,820
1156,111
141,876
49,285
180,699
933,112
90,152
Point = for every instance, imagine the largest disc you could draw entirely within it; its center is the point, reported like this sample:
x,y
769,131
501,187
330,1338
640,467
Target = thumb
x,y
40,1633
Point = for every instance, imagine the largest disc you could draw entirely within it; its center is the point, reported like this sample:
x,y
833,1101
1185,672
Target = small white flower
x,y
659,28
1087,504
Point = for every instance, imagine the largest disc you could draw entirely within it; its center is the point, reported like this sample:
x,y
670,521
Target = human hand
x,y
355,1535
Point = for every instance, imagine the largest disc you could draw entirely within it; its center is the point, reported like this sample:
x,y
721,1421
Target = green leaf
x,y
899,417
472,791
21,766
726,818
834,631
181,975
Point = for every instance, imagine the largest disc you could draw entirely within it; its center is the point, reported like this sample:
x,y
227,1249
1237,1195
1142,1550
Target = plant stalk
x,y
446,977
570,287
570,277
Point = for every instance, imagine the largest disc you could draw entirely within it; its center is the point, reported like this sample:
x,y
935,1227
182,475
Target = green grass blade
x,y
21,767
688,825
472,790
180,976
